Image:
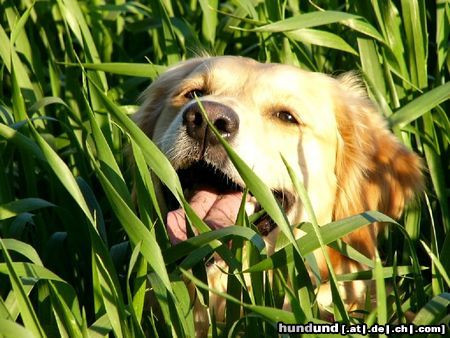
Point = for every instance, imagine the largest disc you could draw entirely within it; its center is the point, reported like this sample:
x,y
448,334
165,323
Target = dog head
x,y
326,128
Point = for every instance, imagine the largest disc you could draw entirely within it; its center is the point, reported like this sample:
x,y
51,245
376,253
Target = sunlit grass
x,y
78,252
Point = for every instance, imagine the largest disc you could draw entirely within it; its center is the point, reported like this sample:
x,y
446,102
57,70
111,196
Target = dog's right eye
x,y
193,93
287,117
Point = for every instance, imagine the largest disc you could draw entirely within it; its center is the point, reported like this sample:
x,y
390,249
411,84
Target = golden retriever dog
x,y
326,128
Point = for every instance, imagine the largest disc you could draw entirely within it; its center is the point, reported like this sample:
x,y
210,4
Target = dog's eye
x,y
193,93
286,116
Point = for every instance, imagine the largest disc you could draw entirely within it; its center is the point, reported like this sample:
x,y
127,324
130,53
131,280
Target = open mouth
x,y
216,198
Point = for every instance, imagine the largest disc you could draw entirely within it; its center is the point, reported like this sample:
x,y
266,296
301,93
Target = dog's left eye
x,y
286,116
193,93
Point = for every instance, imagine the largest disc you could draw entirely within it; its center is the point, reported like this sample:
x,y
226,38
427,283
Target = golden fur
x,y
339,145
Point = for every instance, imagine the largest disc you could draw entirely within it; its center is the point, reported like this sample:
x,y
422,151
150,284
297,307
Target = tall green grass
x,y
77,254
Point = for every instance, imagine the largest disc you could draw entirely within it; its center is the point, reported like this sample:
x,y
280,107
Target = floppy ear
x,y
374,170
156,95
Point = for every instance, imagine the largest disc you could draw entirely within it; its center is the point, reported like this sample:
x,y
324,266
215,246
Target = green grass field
x,y
77,253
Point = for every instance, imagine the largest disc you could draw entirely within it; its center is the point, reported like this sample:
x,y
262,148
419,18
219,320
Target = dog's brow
x,y
195,82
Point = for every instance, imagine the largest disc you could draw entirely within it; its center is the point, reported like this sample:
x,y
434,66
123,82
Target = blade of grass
x,y
371,65
27,312
174,253
73,15
35,273
62,172
12,304
153,156
137,300
442,32
136,230
329,233
352,253
184,307
433,311
209,20
100,328
414,21
64,314
149,206
14,208
19,26
112,300
272,314
24,249
419,106
306,20
321,38
437,263
129,69
386,272
14,330
340,312
300,292
256,186
381,291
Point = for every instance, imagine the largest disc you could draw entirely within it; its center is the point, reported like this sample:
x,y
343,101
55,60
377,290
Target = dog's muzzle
x,y
210,189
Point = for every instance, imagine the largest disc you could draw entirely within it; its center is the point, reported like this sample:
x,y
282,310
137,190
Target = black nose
x,y
222,117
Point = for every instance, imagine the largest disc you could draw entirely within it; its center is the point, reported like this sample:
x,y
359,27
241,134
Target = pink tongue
x,y
217,210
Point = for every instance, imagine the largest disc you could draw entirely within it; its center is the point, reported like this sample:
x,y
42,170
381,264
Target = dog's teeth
x,y
256,205
250,207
